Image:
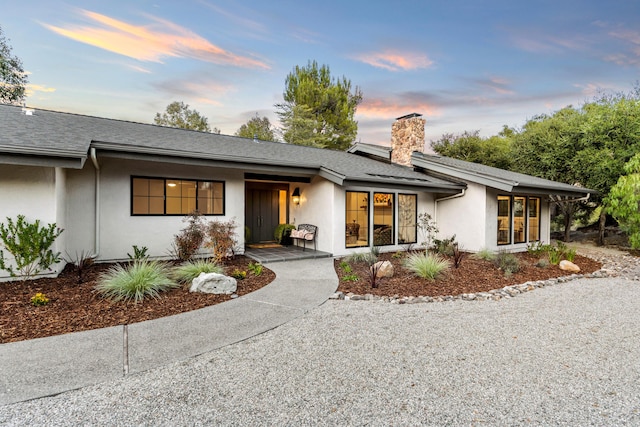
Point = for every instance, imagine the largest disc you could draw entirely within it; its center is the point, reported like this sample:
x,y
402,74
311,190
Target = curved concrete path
x,y
48,366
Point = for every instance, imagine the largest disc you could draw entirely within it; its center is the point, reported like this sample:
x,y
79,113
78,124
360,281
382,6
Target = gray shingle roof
x,y
493,177
52,135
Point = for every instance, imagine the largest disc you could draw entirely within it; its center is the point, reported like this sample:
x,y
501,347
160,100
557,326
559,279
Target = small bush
x,y
555,256
570,254
239,274
255,268
30,244
458,255
375,251
507,262
538,248
221,239
398,255
187,243
188,271
351,278
542,263
427,266
39,299
427,228
484,254
444,246
280,229
135,282
367,257
139,254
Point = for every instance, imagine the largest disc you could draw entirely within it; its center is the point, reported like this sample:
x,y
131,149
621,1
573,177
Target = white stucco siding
x,y
80,210
317,207
119,230
466,217
31,191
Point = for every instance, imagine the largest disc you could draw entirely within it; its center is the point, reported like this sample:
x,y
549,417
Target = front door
x,y
262,213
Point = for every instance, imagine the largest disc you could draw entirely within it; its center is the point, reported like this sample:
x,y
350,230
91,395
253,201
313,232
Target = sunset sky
x,y
463,64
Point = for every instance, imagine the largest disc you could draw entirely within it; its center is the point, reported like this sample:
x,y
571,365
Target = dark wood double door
x,y
262,210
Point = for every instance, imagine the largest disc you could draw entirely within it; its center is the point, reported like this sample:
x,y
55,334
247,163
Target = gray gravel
x,y
563,355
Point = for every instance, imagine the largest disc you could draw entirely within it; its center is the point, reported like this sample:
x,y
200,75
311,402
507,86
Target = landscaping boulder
x,y
385,269
568,266
213,283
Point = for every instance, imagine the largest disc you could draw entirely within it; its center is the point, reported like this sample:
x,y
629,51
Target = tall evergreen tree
x,y
318,110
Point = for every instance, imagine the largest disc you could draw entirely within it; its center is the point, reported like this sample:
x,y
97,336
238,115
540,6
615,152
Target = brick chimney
x,y
407,136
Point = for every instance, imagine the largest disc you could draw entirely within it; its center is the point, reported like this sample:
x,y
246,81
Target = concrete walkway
x,y
48,366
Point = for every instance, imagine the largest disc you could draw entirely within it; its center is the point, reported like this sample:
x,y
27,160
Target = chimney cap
x,y
409,116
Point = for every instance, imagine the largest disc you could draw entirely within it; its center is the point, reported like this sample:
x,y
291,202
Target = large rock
x,y
568,266
385,269
214,283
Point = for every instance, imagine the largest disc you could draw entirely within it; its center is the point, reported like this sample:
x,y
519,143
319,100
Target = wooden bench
x,y
305,233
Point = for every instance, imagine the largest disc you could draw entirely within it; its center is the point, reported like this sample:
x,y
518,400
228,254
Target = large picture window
x,y
407,218
164,196
357,219
383,219
518,219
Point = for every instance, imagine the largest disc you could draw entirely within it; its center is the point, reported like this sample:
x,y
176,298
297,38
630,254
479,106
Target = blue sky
x,y
464,65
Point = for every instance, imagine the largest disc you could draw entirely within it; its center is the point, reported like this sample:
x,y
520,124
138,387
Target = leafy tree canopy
x,y
259,128
318,110
13,79
179,115
471,147
623,201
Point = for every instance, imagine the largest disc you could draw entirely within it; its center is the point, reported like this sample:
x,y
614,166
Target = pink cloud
x,y
395,61
385,109
152,42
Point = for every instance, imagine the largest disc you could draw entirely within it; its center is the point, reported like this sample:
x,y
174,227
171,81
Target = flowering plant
x,y
39,299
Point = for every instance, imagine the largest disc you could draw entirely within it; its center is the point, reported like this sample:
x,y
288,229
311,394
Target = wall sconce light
x,y
296,196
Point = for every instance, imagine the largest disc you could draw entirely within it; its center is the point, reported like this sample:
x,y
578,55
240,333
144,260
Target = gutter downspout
x,y
94,160
435,204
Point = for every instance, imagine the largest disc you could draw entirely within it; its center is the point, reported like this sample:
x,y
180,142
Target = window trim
x,y
165,179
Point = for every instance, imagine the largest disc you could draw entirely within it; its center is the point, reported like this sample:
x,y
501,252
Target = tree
x,y
179,115
259,128
13,79
471,147
318,109
623,201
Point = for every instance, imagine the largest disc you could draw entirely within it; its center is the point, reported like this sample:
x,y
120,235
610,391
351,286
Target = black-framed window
x,y
407,218
383,219
518,218
357,219
172,196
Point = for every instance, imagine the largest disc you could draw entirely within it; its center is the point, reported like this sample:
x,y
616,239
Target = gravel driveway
x,y
567,354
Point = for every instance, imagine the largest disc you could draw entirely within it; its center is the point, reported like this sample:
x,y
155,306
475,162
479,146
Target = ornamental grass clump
x,y
136,281
185,273
427,266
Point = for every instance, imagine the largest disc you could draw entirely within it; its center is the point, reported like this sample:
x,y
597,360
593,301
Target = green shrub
x,y
30,244
538,248
367,257
484,254
345,267
542,263
185,273
39,299
239,274
139,254
507,262
375,251
255,268
427,266
398,254
555,255
351,278
570,254
136,281
279,231
444,246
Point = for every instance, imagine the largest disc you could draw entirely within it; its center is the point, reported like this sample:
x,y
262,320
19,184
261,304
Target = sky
x,y
465,65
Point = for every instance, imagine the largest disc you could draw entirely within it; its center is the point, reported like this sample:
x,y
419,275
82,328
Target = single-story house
x,y
112,184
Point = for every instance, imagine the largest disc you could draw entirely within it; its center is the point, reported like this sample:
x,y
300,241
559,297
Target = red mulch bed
x,y
77,307
472,276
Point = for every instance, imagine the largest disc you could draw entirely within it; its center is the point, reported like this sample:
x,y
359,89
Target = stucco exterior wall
x,y
317,202
119,230
31,191
466,217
